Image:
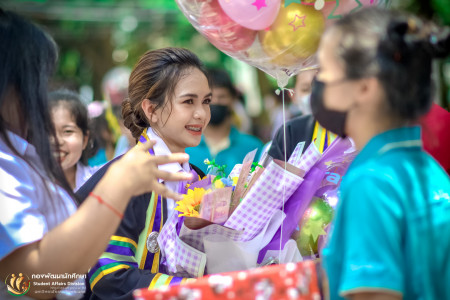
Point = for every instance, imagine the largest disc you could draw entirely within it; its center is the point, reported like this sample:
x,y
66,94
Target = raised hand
x,y
137,171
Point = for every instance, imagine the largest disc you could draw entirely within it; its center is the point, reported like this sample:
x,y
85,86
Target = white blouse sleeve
x,y
21,218
26,212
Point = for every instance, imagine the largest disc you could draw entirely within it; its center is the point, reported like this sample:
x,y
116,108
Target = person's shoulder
x,y
374,177
246,138
300,121
87,171
14,168
97,175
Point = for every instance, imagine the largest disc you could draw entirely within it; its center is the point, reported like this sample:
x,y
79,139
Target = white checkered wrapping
x,y
309,158
261,202
295,157
183,256
236,171
194,238
179,258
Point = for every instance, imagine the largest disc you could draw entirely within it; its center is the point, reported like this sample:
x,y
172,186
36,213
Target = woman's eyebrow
x,y
189,95
208,95
69,125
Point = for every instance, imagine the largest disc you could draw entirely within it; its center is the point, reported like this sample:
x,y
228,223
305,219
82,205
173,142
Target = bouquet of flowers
x,y
229,223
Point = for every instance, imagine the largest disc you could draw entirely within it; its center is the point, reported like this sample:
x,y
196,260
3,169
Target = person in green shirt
x,y
390,236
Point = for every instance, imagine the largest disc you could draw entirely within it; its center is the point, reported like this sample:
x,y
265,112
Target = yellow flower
x,y
189,206
219,184
235,180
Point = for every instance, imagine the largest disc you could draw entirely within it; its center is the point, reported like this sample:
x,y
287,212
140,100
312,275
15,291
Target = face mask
x,y
331,120
303,104
218,114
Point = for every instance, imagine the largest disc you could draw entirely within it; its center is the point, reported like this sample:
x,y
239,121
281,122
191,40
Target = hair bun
x,y
416,33
397,29
438,44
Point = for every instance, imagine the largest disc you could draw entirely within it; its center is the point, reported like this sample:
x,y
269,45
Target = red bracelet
x,y
112,208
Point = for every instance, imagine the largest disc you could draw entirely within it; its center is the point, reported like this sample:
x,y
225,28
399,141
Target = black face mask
x,y
219,113
331,120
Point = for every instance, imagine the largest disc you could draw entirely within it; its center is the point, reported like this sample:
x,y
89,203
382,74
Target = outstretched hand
x,y
137,171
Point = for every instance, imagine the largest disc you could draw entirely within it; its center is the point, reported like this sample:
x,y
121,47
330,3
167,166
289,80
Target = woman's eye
x,y
189,101
207,101
67,132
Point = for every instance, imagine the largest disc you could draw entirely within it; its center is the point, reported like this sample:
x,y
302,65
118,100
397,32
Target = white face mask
x,y
303,103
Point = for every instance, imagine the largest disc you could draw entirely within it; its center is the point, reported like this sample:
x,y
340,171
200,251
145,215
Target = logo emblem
x,y
152,242
18,285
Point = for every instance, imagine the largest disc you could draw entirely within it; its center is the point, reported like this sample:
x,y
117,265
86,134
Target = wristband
x,y
112,208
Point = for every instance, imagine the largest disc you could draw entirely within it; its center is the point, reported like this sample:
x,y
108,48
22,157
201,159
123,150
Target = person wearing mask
x,y
222,141
303,127
302,92
300,129
43,229
389,238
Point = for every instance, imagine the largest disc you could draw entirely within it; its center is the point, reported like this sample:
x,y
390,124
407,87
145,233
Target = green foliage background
x,y
88,32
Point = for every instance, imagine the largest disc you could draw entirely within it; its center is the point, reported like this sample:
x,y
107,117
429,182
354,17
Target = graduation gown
x,y
132,257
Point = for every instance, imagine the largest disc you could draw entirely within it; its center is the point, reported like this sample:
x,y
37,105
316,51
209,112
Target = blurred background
x,y
95,36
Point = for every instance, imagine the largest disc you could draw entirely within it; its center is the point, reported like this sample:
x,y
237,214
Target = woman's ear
x,y
149,110
368,90
85,140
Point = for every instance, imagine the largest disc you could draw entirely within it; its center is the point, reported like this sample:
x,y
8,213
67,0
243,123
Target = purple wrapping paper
x,y
294,207
340,152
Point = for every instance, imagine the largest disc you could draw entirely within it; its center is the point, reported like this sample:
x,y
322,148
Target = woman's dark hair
x,y
155,77
396,48
221,79
72,102
99,128
27,58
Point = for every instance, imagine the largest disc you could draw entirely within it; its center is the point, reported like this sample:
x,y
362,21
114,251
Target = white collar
x,y
160,148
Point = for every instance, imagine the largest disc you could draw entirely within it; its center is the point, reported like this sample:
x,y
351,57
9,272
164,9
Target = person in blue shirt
x,y
222,141
390,236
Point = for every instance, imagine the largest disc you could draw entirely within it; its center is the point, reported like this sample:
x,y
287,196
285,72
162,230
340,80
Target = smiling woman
x,y
168,101
70,118
181,124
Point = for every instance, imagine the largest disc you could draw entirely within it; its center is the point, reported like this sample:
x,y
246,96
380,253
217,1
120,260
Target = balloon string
x,y
285,170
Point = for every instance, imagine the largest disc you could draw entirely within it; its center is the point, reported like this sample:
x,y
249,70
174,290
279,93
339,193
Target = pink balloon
x,y
252,14
226,24
223,32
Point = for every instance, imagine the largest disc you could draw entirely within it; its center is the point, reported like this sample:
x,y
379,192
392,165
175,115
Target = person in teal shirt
x,y
221,140
390,238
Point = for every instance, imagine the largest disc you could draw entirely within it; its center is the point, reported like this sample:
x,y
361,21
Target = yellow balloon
x,y
294,36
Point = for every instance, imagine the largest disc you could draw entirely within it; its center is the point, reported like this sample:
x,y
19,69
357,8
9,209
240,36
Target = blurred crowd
x,y
108,138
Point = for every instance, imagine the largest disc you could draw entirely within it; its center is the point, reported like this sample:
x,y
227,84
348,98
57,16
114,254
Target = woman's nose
x,y
59,139
201,112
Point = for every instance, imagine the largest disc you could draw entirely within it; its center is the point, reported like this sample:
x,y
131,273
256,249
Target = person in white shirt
x,y
41,230
74,145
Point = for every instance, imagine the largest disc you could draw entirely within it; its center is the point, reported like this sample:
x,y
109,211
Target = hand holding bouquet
x,y
231,220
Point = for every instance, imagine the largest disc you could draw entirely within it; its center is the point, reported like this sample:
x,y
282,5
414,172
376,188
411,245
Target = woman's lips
x,y
194,129
59,156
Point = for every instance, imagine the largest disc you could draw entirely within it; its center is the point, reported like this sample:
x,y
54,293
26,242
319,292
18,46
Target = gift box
x,y
287,281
